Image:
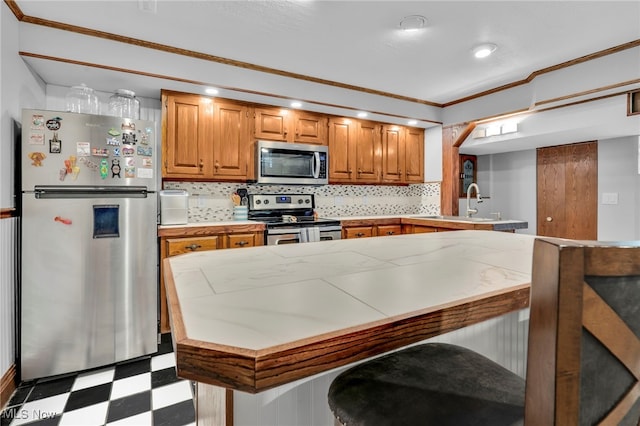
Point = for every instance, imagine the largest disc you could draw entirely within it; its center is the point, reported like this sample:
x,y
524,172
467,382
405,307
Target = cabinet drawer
x,y
187,245
358,232
241,240
385,230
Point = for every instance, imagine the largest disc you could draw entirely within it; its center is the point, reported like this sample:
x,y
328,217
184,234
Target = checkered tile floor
x,y
142,392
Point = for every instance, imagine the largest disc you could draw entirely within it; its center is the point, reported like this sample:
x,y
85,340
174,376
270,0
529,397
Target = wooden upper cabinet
x,y
342,149
392,153
368,152
414,155
402,154
186,128
231,140
310,128
271,123
284,125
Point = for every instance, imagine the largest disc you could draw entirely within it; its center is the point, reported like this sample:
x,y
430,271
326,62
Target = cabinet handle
x,y
549,219
217,165
350,171
390,232
359,172
242,243
360,234
193,247
201,165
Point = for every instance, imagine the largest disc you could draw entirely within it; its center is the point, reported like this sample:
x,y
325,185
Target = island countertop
x,y
261,317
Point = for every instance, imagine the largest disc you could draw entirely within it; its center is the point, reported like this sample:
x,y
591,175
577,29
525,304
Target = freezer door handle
x,y
44,192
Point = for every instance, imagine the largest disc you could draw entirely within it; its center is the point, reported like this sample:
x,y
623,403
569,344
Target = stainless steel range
x,y
290,219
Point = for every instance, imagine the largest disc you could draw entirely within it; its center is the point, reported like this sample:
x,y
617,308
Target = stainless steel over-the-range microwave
x,y
291,163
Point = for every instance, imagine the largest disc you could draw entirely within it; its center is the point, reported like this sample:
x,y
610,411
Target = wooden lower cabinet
x,y
371,228
387,230
357,232
177,246
176,241
243,240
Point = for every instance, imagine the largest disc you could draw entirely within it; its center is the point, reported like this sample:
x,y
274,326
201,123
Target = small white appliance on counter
x,y
174,207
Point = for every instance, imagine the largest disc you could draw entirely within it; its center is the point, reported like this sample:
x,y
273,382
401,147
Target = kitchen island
x,y
262,317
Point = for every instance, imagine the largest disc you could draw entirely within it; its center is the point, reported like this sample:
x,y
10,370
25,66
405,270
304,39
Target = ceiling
x,y
349,44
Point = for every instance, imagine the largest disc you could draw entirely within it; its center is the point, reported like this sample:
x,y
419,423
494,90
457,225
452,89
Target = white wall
x,y
18,89
509,180
619,175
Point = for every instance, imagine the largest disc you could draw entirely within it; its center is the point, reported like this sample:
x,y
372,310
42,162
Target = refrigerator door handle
x,y
49,192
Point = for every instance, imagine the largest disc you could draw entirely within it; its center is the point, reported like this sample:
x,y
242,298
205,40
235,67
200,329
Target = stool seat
x,y
429,384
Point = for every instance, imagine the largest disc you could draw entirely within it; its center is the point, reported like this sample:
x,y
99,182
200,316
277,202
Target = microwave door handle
x,y
316,165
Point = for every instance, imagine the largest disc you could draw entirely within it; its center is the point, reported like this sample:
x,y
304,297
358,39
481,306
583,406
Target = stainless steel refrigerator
x,y
88,290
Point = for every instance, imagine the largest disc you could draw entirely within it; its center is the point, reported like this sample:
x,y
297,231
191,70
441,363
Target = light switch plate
x,y
609,198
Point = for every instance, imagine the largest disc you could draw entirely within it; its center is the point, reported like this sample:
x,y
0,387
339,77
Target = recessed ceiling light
x,y
484,50
296,104
412,122
413,23
211,91
362,114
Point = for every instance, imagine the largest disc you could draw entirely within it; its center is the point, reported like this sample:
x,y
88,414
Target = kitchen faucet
x,y
470,211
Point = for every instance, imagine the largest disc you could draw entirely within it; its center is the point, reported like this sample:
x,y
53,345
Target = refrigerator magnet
x,y
37,122
115,168
129,138
100,152
145,173
145,151
113,141
116,152
146,162
104,168
54,124
55,144
129,172
128,151
36,158
83,149
128,126
113,132
36,139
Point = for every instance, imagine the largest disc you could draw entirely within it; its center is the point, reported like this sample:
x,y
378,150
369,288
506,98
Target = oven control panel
x,y
280,201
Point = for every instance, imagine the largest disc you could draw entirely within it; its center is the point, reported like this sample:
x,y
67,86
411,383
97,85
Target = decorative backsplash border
x,y
211,201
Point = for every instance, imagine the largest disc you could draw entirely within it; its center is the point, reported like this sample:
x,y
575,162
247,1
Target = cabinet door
x,y
271,124
177,246
230,140
187,135
357,232
392,153
414,155
418,229
368,152
310,128
386,230
342,143
242,240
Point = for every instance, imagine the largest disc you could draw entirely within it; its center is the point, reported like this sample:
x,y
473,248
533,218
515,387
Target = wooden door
x,y
187,135
310,128
392,154
272,124
567,186
368,152
414,155
342,143
230,140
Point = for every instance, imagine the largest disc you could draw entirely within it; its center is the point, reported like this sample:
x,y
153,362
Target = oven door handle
x,y
283,231
316,165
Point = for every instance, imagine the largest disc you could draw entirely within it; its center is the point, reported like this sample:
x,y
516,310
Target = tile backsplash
x,y
211,201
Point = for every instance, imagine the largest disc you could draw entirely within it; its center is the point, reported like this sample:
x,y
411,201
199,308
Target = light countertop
x,y
277,298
